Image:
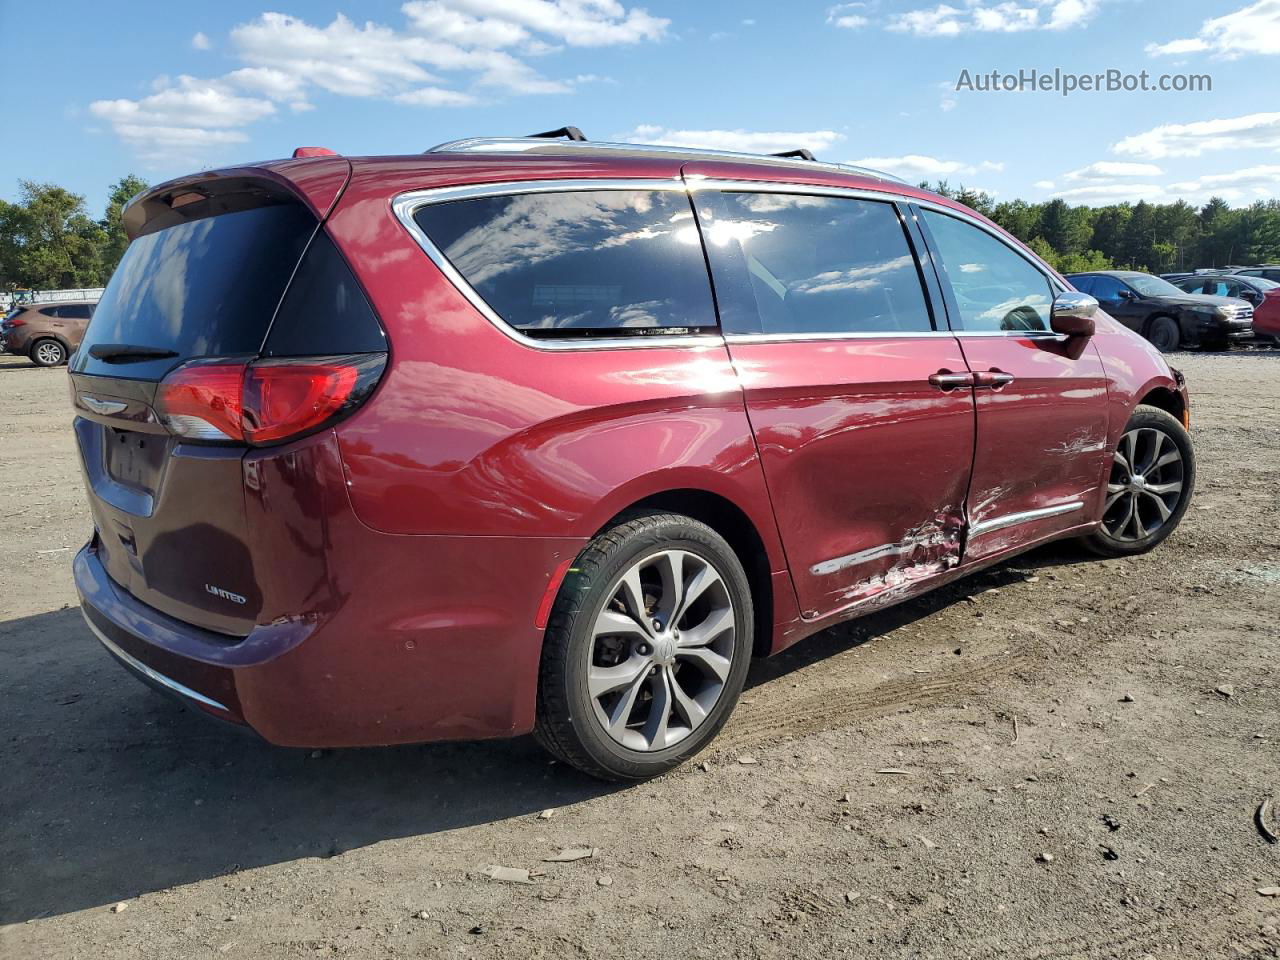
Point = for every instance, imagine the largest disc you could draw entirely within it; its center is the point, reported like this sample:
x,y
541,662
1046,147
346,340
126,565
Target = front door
x,y
858,404
1041,399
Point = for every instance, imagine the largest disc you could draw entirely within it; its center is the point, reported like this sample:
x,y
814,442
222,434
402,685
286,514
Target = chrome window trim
x,y
136,664
405,205
1026,516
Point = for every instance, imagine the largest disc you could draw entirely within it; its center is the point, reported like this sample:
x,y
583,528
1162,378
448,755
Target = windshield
x,y
1262,283
1150,286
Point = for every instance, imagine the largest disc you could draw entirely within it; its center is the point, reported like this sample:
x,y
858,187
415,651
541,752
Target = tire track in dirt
x,y
771,715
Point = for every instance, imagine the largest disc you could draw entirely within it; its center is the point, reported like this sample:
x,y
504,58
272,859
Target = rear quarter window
x,y
580,264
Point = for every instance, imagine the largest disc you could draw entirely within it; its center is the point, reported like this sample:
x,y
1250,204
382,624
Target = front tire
x,y
1165,334
1153,474
48,353
646,649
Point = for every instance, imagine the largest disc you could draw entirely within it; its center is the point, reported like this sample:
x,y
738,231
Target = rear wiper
x,y
128,353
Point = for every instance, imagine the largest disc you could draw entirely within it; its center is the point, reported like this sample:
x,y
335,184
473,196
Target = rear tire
x,y
48,353
627,694
1165,334
1153,475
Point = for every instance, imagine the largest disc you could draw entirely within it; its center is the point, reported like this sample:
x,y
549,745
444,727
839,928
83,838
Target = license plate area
x,y
135,459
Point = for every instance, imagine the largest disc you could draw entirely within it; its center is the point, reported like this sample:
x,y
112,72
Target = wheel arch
x,y
732,522
1166,399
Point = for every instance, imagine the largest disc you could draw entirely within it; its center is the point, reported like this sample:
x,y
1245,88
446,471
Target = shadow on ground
x,y
110,791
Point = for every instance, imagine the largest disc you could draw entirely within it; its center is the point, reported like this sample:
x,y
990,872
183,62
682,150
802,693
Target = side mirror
x,y
1072,314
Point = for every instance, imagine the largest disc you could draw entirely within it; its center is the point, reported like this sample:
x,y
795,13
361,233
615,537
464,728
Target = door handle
x,y
945,380
992,379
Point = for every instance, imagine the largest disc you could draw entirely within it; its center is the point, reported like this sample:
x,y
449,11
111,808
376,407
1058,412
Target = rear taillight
x,y
14,322
265,401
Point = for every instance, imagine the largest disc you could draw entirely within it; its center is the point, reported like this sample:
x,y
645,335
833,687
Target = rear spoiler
x,y
317,182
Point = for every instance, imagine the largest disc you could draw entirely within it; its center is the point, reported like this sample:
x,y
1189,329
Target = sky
x,y
92,91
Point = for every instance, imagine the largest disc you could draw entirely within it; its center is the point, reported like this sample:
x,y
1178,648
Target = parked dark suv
x,y
1261,294
524,435
48,333
1168,317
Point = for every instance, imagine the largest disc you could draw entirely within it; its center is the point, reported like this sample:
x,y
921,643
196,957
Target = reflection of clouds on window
x,y
643,314
972,268
584,260
855,278
721,232
775,202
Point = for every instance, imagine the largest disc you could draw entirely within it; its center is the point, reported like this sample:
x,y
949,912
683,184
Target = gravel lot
x,y
1032,763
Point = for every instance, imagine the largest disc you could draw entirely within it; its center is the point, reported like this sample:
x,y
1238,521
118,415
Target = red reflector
x,y
549,597
281,399
202,400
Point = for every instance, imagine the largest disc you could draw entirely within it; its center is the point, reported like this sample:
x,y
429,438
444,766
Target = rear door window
x,y
1083,284
203,288
580,264
74,311
795,264
996,288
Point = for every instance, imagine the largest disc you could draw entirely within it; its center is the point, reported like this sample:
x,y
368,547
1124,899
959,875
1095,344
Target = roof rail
x,y
543,144
569,133
801,154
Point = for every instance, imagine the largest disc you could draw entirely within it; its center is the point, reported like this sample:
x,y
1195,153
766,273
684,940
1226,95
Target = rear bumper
x,y
434,639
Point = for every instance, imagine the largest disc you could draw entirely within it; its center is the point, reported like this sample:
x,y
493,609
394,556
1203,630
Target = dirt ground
x,y
1032,763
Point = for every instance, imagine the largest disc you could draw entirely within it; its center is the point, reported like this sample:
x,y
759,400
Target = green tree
x,y
49,240
122,191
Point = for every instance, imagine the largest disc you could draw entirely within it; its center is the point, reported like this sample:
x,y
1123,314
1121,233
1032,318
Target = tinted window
x,y
995,288
1191,285
790,264
51,311
1107,289
325,311
583,263
201,288
1083,284
1218,288
1250,273
74,311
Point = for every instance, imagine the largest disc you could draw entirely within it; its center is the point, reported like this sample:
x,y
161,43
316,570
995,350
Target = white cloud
x,y
978,16
1255,131
1104,193
847,16
1110,169
182,117
742,141
578,23
434,97
1239,186
447,53
1251,29
914,166
1044,184
274,84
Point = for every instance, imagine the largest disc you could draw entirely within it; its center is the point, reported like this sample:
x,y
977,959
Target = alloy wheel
x,y
661,650
1145,488
49,354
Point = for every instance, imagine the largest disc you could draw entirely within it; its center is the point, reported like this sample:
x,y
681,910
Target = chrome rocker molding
x,y
1013,519
135,664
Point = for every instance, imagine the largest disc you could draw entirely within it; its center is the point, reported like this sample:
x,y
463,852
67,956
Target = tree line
x,y
1153,237
48,239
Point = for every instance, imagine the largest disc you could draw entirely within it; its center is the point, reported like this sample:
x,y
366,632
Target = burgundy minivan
x,y
529,435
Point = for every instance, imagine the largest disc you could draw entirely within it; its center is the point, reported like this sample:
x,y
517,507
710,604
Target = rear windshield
x,y
204,288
